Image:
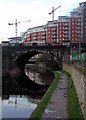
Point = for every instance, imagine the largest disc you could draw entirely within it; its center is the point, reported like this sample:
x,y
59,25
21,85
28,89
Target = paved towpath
x,y
57,107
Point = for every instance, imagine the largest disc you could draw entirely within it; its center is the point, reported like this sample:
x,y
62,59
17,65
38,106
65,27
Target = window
x,y
60,35
72,23
54,29
48,28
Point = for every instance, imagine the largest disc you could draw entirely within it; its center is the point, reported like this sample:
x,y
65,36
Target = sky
x,y
34,10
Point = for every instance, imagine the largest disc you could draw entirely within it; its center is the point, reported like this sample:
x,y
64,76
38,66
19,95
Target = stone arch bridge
x,y
23,53
17,56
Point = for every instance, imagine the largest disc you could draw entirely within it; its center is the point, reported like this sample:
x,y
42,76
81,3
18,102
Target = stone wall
x,y
79,79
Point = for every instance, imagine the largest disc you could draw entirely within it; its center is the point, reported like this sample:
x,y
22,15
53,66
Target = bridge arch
x,y
24,53
22,59
23,80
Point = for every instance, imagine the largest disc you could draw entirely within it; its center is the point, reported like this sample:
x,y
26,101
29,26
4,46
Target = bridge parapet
x,y
11,53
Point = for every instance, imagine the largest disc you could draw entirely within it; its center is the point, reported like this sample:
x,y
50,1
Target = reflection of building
x,y
5,97
66,28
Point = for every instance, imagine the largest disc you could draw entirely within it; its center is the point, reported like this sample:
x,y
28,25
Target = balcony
x,y
65,25
65,36
43,33
65,32
35,38
65,28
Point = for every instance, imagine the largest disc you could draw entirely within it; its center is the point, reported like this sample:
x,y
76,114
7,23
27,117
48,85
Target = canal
x,y
19,102
21,96
16,104
17,107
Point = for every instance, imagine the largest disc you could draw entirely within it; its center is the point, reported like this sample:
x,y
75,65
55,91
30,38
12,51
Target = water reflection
x,y
43,78
17,107
35,77
17,101
16,104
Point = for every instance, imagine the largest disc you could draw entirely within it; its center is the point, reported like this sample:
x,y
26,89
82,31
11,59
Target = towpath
x,y
57,106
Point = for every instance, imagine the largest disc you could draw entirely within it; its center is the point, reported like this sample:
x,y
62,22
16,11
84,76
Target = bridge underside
x,y
17,58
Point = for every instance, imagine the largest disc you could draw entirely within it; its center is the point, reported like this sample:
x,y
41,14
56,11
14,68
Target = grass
x,y
45,100
74,110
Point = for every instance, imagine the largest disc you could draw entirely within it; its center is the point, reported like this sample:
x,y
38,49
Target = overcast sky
x,y
34,10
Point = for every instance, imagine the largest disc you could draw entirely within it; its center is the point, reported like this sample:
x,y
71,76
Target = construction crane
x,y
53,10
16,27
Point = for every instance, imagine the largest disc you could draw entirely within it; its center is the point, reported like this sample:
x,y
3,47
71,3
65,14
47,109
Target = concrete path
x,y
57,107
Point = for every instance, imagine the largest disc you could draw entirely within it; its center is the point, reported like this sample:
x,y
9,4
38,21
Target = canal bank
x,y
77,71
62,103
45,100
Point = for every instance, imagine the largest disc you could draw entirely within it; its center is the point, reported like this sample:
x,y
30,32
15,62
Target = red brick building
x,y
63,31
84,25
51,34
73,30
67,28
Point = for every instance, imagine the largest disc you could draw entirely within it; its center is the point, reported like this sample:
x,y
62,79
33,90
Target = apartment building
x,y
42,34
73,28
63,29
80,14
51,32
67,28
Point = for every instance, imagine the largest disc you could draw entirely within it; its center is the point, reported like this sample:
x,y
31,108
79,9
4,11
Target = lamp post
x,y
80,50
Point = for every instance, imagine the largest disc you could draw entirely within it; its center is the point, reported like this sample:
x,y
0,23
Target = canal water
x,y
17,104
17,107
